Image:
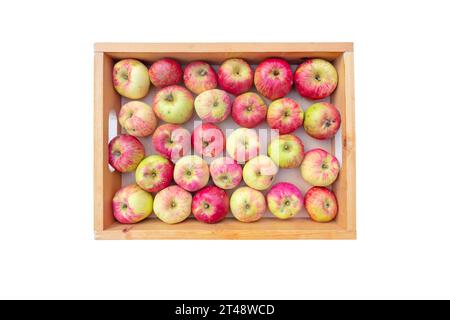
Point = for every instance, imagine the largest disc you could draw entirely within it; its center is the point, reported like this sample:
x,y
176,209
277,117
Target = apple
x,y
322,120
273,78
210,204
172,204
285,115
125,152
165,72
225,172
243,144
235,76
247,204
315,79
191,173
319,168
208,140
154,173
249,110
130,78
131,204
213,105
286,151
199,76
172,141
321,204
174,104
259,172
284,200
137,118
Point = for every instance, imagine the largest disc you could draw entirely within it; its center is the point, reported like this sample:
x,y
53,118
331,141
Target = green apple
x,y
173,204
259,172
247,204
287,151
154,173
319,168
174,104
131,204
130,78
243,144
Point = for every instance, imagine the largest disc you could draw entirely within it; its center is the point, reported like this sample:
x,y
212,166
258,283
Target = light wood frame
x,y
106,183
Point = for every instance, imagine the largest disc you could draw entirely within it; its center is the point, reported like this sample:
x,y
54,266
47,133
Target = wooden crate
x,y
106,183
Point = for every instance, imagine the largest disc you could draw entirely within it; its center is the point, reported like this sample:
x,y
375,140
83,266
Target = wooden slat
x,y
343,98
224,46
350,141
106,183
218,52
227,229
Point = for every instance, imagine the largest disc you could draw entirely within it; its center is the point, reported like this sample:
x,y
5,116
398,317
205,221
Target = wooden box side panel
x,y
106,183
218,52
231,229
345,186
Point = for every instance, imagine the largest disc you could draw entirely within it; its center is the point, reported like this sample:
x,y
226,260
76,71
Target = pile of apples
x,y
217,96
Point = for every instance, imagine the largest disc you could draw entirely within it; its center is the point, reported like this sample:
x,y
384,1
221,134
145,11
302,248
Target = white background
x,y
402,114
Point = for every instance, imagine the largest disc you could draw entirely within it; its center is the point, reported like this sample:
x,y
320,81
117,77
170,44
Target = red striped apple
x,y
172,141
247,204
199,76
284,200
174,104
322,120
285,115
319,168
235,76
125,152
273,78
210,204
213,105
154,173
286,151
315,79
131,204
225,172
137,119
165,72
259,172
130,78
249,110
321,204
243,144
191,173
172,204
208,140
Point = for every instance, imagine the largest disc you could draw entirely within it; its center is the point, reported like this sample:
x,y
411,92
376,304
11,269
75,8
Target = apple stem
x,y
169,97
